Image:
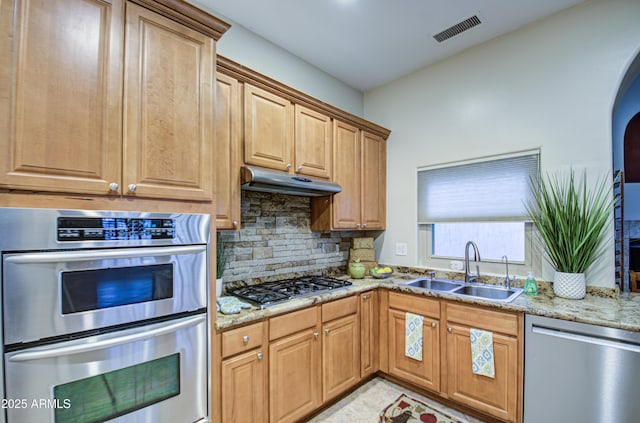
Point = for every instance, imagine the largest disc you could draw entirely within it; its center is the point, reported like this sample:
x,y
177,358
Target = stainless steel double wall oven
x,y
104,316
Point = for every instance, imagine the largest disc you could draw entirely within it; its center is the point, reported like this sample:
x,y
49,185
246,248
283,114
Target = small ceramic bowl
x,y
380,275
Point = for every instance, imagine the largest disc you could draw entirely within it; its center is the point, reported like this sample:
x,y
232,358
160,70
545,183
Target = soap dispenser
x,y
530,285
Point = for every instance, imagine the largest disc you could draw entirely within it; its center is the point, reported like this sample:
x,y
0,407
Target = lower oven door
x,y
153,374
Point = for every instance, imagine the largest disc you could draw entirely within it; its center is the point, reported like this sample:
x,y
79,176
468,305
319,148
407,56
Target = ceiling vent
x,y
458,28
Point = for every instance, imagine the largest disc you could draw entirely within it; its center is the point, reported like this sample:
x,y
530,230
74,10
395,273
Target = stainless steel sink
x,y
434,284
481,291
489,292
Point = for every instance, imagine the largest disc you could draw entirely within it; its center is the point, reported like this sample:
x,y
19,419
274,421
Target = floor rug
x,y
409,410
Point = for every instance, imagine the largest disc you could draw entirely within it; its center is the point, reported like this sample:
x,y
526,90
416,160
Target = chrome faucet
x,y
507,279
468,276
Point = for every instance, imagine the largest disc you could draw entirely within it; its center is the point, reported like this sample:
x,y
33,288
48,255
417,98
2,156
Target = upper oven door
x,y
51,294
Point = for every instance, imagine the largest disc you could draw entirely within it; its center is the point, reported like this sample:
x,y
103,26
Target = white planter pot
x,y
218,288
569,285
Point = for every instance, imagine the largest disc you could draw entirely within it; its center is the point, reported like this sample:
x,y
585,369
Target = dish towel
x,y
482,353
230,305
413,336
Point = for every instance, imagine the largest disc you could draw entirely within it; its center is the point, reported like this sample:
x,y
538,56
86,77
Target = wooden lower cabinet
x,y
368,333
294,376
425,373
244,388
340,356
500,396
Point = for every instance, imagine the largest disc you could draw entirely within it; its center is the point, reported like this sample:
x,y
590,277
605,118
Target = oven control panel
x,y
113,229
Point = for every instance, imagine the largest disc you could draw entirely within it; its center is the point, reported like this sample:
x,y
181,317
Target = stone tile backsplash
x,y
275,241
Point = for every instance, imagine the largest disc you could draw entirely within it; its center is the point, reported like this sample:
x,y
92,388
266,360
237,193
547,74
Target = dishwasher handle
x,y
576,337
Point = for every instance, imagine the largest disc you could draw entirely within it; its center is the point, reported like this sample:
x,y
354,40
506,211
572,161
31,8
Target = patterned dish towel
x,y
230,305
413,336
482,353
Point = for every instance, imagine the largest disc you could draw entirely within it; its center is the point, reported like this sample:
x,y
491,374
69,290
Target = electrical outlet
x,y
401,248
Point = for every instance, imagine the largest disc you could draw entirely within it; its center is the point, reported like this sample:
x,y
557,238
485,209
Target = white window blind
x,y
491,190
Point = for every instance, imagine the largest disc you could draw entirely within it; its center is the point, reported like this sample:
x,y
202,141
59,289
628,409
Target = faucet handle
x,y
432,275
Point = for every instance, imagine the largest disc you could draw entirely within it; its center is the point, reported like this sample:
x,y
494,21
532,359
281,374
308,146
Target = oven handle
x,y
69,256
107,343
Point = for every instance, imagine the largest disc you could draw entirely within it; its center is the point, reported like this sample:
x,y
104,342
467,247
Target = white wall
x,y
551,84
255,52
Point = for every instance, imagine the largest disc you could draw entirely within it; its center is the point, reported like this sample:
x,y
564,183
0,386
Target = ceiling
x,y
367,43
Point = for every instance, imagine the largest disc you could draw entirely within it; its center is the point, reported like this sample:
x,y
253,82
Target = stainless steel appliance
x,y
265,180
575,372
271,293
104,316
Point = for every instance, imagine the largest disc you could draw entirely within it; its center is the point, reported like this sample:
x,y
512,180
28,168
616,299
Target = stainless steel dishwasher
x,y
576,372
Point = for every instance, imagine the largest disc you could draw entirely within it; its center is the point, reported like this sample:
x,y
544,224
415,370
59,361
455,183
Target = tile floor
x,y
365,404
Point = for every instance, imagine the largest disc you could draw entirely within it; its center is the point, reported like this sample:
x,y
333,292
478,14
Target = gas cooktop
x,y
271,293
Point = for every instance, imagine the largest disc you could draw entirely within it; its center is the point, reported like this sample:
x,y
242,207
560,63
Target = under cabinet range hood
x,y
264,180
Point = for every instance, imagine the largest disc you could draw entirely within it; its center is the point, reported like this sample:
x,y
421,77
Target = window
x,y
480,200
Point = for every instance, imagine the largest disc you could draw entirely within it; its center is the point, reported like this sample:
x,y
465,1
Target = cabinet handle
x,y
288,165
365,297
299,169
259,356
235,223
132,187
327,331
245,339
358,225
364,226
449,330
433,324
316,334
113,186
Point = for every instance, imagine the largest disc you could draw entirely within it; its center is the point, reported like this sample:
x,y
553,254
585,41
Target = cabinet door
x,y
495,396
374,181
228,127
168,116
294,376
244,388
346,172
61,85
340,355
312,143
368,333
268,127
425,373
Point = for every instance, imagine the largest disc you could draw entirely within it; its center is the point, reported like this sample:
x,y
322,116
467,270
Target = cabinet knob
x,y
299,169
449,330
245,339
433,324
132,187
113,186
235,223
316,334
365,297
327,331
358,225
259,356
288,165
364,226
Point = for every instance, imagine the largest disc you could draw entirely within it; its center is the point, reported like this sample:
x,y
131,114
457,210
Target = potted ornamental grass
x,y
571,219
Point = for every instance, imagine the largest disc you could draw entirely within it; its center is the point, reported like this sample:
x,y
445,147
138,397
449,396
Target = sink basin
x,y
434,284
496,293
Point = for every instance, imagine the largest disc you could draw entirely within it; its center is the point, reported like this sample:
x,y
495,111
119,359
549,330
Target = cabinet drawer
x,y
492,320
415,304
242,339
292,322
339,308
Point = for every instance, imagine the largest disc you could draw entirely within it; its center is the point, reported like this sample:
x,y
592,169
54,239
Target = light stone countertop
x,y
622,312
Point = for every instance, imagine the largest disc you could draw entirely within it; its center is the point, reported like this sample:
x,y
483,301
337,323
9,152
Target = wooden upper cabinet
x,y
268,129
312,143
228,136
374,181
168,108
346,172
60,85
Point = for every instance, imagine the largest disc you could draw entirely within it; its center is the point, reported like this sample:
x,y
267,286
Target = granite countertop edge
x,y
622,312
